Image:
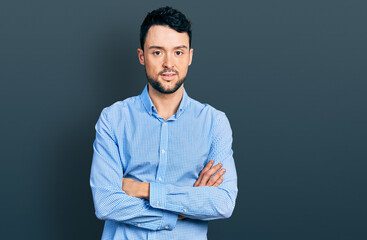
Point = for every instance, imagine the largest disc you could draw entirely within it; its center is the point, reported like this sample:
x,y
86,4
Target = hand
x,y
208,177
135,189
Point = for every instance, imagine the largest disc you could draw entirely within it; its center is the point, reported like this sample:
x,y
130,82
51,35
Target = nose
x,y
168,61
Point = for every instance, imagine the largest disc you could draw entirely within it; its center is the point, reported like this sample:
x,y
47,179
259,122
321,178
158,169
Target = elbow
x,y
103,206
226,211
105,210
101,214
229,211
101,211
228,202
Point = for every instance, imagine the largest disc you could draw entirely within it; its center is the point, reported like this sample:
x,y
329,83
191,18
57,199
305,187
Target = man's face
x,y
166,57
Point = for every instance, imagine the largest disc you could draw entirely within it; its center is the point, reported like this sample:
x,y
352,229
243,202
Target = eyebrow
x,y
158,47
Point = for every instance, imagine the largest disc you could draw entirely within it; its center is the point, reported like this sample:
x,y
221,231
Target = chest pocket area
x,y
187,156
140,156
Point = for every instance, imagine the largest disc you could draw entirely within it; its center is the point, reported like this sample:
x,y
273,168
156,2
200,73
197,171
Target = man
x,y
160,157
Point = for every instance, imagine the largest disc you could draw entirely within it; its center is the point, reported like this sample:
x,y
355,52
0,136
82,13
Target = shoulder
x,y
121,109
220,132
213,119
211,114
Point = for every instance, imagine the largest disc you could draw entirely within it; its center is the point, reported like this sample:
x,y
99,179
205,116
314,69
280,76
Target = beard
x,y
158,85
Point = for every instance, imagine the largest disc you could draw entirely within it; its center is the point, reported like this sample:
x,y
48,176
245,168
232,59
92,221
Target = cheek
x,y
183,67
151,68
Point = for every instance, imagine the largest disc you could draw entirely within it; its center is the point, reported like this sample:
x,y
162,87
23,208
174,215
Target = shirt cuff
x,y
157,195
169,220
157,199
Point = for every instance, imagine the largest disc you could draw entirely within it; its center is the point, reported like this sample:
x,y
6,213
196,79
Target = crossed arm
x,y
209,198
210,176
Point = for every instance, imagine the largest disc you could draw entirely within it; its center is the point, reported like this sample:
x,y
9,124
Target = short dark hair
x,y
165,16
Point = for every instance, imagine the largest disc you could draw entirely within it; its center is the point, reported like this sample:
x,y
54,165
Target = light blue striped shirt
x,y
133,141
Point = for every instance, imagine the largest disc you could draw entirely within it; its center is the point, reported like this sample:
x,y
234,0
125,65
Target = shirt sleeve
x,y
110,201
204,203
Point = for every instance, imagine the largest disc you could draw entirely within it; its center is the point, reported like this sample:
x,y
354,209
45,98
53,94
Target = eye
x,y
178,53
156,53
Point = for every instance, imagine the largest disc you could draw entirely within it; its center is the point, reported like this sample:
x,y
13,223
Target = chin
x,y
168,89
165,86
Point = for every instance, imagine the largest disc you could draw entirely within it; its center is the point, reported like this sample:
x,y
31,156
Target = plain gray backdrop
x,y
290,75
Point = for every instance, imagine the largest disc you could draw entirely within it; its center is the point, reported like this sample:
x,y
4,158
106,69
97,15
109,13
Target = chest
x,y
177,151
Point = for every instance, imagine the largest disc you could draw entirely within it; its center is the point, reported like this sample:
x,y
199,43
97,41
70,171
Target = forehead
x,y
165,36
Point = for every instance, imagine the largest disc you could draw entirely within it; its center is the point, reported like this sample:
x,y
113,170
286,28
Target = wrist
x,y
144,190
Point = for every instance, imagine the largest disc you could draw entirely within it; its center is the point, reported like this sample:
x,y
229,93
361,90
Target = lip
x,y
168,76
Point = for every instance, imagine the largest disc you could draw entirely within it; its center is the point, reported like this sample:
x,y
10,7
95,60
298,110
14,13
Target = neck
x,y
166,104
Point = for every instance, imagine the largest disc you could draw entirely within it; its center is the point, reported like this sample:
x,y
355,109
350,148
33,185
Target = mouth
x,y
168,76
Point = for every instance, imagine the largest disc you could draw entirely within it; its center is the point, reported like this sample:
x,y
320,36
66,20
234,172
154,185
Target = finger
x,y
197,182
127,180
218,182
205,169
208,166
209,173
214,179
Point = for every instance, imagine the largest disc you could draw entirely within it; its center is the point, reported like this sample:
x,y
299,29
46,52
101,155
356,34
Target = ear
x,y
141,56
191,54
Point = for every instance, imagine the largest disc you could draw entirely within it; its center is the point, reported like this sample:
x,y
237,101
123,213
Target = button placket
x,y
163,144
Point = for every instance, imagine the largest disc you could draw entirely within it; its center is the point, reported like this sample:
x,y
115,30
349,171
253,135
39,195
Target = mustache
x,y
168,71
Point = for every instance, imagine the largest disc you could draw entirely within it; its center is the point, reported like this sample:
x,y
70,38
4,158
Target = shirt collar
x,y
149,106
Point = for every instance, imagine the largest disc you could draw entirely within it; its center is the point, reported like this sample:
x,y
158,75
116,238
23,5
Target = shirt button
x,y
166,227
157,203
139,224
185,210
160,179
163,151
164,123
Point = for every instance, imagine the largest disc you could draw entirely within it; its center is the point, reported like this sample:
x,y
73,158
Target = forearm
x,y
138,190
205,200
135,189
117,206
200,202
204,203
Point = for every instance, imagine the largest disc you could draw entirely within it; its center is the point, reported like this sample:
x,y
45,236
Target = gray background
x,y
291,76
